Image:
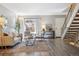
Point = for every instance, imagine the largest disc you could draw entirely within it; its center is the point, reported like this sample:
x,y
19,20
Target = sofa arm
x,y
6,40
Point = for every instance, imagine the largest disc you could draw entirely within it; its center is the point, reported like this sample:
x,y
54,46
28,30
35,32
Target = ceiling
x,y
37,8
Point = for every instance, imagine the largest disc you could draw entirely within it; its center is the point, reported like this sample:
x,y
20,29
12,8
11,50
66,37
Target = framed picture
x,y
48,27
29,25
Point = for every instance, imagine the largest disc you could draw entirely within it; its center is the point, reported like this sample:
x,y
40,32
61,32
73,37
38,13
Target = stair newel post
x,y
77,34
77,37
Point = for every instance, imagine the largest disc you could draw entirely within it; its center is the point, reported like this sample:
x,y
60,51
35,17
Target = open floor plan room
x,y
39,29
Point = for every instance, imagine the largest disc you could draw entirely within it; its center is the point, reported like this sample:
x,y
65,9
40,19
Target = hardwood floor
x,y
60,48
51,47
40,48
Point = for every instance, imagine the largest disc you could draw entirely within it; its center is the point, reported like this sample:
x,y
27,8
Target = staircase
x,y
73,30
70,29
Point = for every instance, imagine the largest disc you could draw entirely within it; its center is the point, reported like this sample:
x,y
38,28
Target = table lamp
x,y
1,27
2,21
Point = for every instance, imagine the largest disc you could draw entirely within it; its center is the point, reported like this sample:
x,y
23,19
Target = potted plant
x,y
17,26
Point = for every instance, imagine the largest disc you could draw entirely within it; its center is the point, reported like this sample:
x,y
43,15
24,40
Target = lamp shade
x,y
2,21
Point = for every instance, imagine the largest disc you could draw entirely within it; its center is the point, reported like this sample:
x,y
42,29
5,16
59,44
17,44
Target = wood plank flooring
x,y
60,48
50,47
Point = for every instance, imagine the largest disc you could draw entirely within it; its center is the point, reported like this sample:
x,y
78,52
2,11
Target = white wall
x,y
48,19
39,20
59,21
11,17
56,21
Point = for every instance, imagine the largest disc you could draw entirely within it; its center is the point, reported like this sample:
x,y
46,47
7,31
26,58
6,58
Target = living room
x,y
32,28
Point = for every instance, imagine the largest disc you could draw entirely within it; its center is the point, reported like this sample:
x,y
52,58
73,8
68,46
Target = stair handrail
x,y
69,14
66,19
